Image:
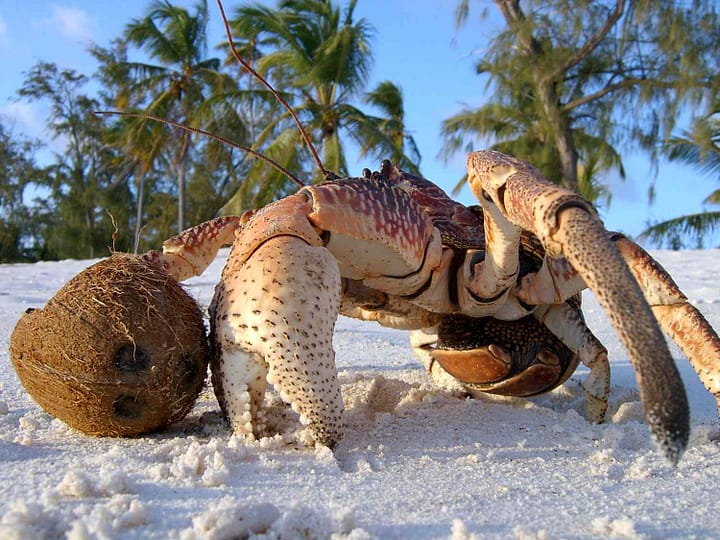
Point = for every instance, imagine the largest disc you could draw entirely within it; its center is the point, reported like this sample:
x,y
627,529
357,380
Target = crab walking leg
x,y
568,325
273,318
567,226
490,280
189,253
680,319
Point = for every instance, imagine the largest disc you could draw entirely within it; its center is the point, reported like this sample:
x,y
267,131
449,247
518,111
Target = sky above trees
x,y
415,45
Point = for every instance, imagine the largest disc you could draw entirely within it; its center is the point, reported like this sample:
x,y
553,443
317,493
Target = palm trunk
x,y
181,170
562,134
139,210
546,92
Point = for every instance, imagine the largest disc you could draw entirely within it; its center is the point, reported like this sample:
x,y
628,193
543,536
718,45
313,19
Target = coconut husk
x,y
120,350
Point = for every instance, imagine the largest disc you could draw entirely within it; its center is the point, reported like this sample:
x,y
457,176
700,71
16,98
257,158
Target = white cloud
x,y
73,23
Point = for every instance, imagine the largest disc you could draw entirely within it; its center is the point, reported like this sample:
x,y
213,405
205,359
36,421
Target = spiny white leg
x,y
568,325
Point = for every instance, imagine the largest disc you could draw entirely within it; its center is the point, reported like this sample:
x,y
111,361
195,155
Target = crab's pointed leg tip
x,y
672,444
673,450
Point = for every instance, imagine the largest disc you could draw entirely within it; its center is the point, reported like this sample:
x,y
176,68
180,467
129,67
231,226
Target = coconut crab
x,y
491,293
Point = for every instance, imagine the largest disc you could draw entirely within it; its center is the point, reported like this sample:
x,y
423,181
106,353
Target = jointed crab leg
x,y
680,319
568,325
189,253
567,226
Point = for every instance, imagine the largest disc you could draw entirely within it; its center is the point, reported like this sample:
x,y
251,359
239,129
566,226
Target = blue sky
x,y
416,45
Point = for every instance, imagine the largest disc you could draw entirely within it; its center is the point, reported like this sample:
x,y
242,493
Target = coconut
x,y
120,350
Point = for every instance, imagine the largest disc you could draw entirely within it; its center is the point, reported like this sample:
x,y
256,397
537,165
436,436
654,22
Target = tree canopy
x,y
183,85
572,86
571,82
698,147
320,55
86,198
17,171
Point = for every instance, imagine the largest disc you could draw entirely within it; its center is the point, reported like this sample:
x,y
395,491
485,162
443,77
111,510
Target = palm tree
x,y
388,97
182,85
320,58
699,147
142,143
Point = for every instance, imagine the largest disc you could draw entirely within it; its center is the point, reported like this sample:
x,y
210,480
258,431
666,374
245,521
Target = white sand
x,y
416,462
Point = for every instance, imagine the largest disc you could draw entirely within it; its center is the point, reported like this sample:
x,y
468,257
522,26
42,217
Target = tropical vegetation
x,y
572,86
698,147
573,82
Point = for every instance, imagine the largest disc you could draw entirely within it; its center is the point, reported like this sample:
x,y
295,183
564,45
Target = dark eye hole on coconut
x,y
128,407
130,358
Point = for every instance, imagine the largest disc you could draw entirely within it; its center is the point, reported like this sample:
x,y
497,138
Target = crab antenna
x,y
274,92
218,138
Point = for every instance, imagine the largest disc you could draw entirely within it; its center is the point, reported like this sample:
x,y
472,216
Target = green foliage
x,y
390,128
683,231
571,82
84,203
183,85
17,171
114,183
698,147
319,55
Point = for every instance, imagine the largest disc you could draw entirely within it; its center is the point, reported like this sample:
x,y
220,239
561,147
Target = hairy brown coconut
x,y
120,350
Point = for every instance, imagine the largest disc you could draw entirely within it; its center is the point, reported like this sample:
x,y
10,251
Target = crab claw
x,y
568,227
272,321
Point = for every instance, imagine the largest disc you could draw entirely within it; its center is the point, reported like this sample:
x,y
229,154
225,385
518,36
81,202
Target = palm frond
x,y
672,232
264,184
